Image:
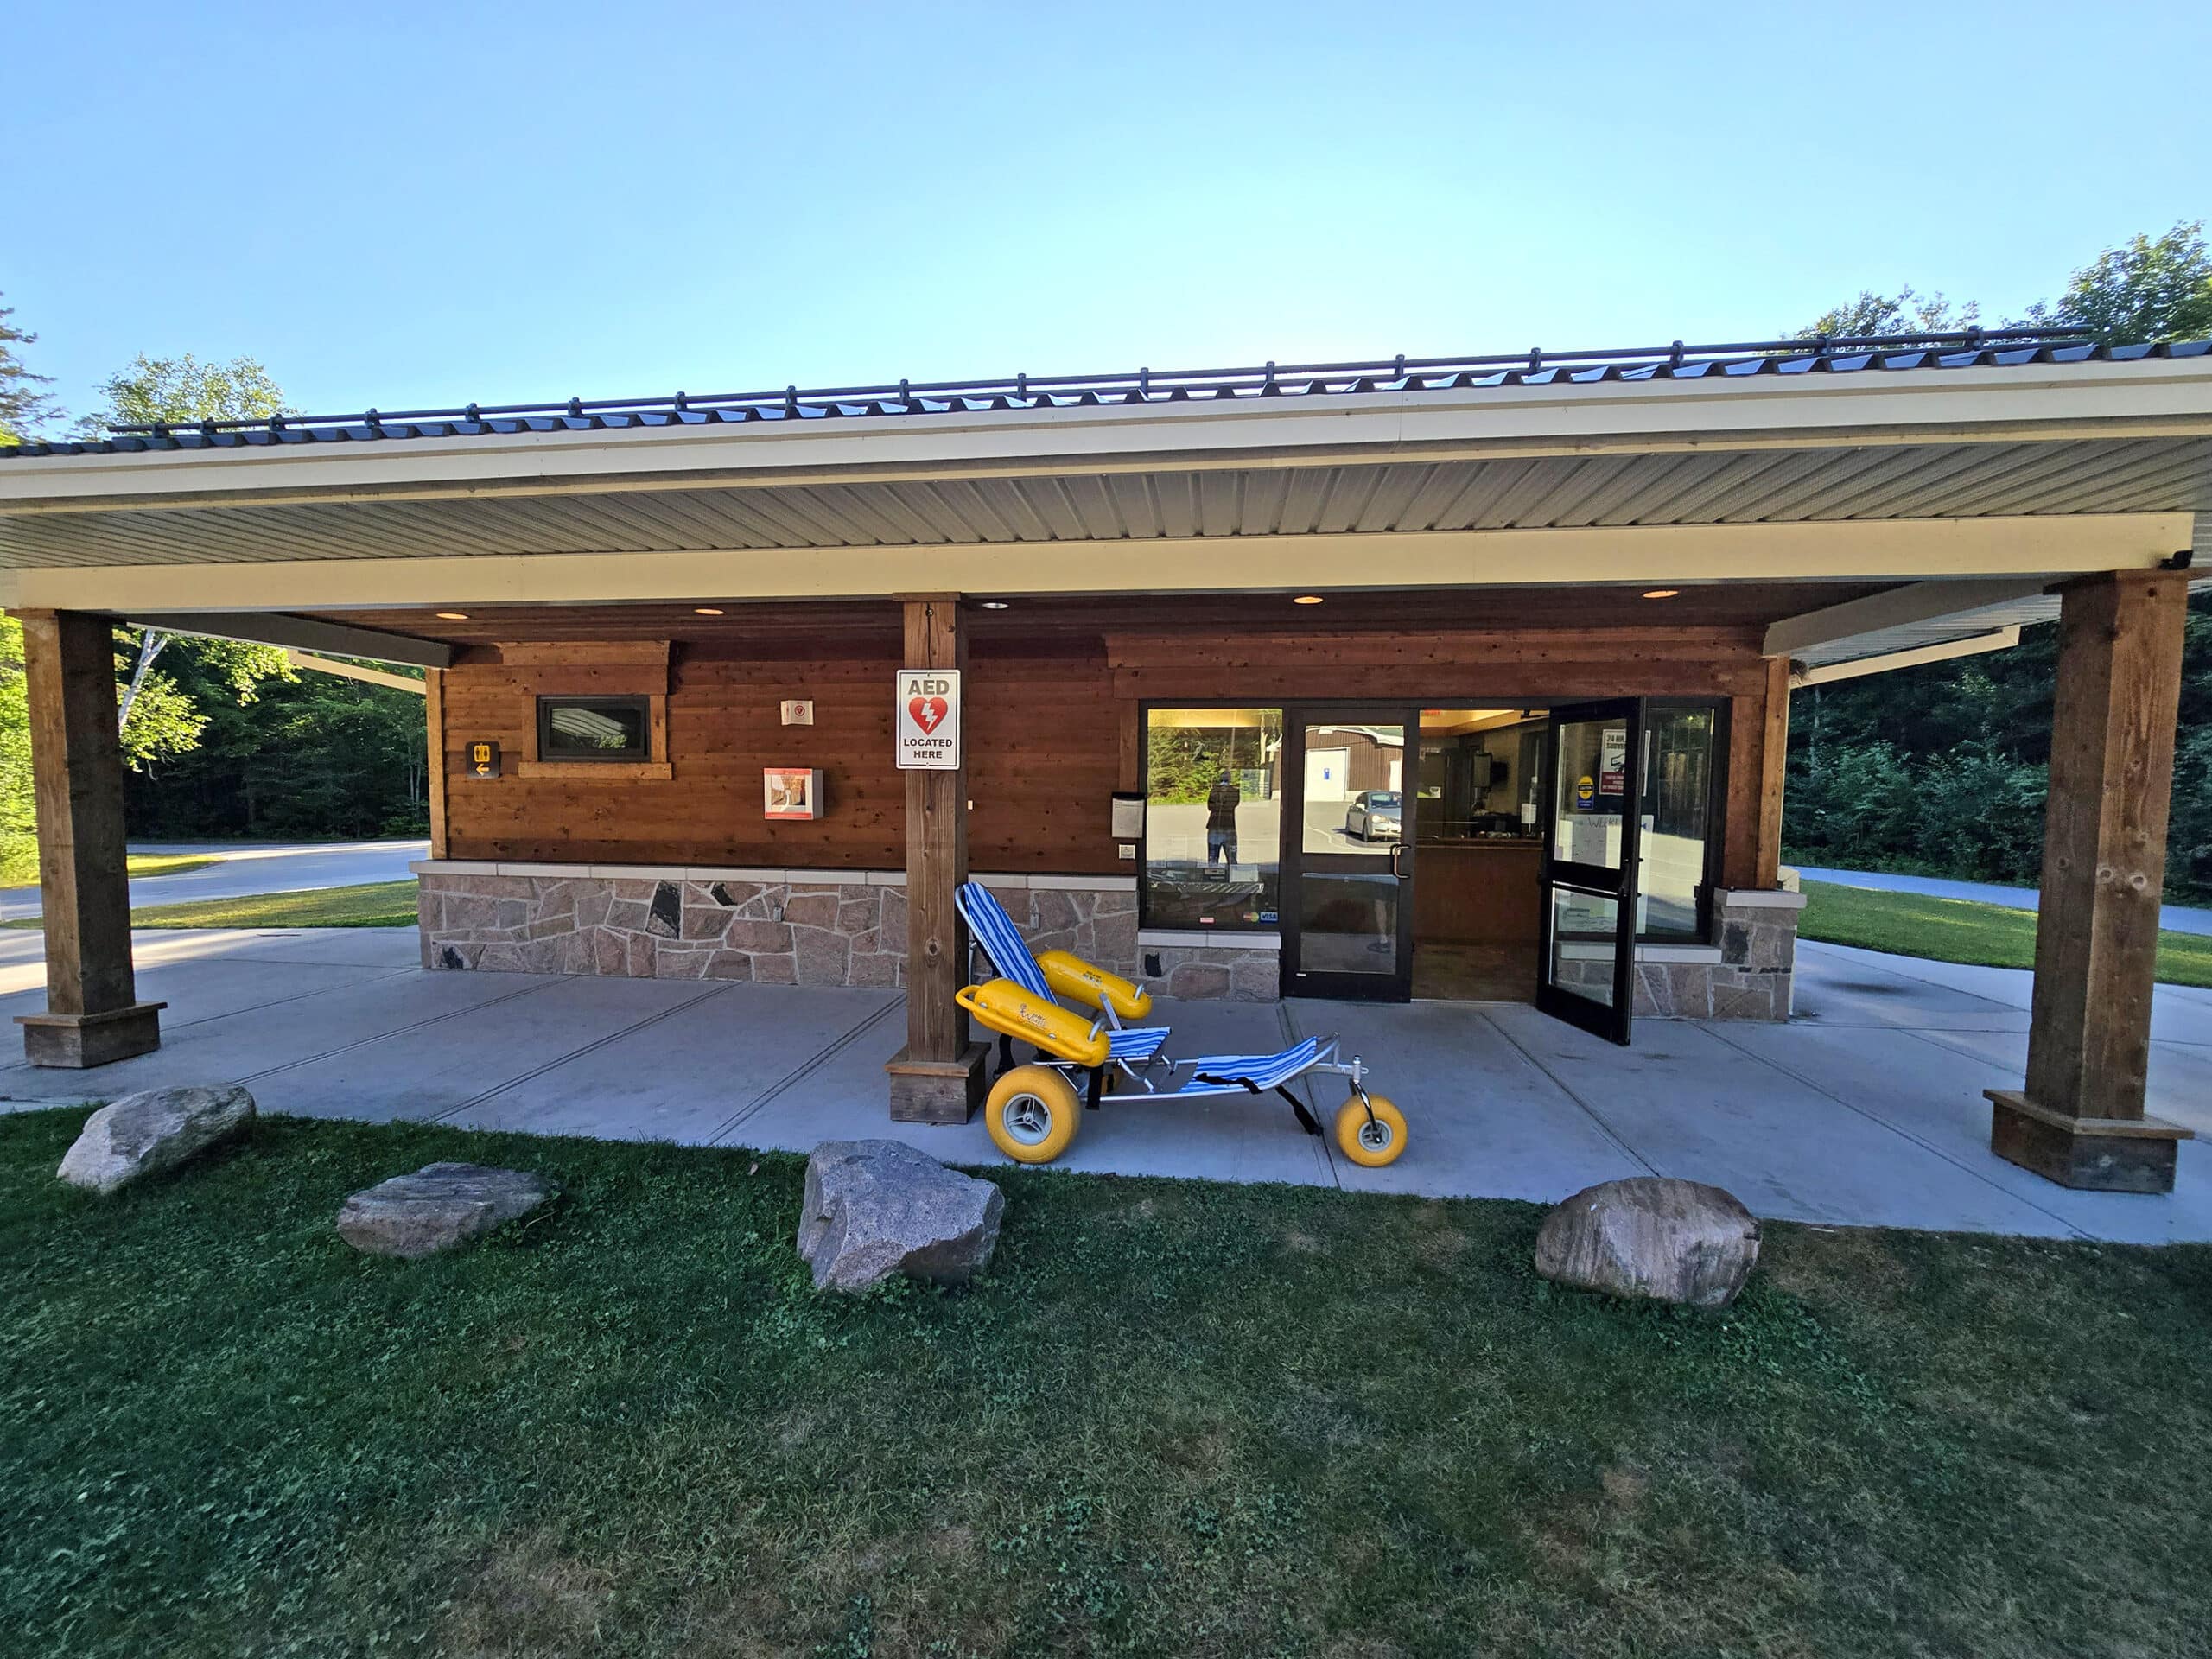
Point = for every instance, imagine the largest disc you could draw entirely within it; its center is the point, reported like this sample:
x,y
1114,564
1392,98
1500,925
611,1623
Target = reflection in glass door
x,y
1348,855
1593,819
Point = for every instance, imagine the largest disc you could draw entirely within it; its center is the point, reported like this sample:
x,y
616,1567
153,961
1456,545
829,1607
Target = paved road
x,y
249,867
2178,919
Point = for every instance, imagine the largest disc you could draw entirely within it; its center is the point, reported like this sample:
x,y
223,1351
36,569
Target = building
x,y
1435,677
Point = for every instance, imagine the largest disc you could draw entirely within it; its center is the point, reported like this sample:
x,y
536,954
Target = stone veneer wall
x,y
787,929
1758,957
774,928
1100,927
1215,972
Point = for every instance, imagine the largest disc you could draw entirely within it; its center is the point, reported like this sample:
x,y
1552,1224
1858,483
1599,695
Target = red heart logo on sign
x,y
928,712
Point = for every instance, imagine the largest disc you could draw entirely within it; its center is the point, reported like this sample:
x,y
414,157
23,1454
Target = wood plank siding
x,y
1052,730
1041,738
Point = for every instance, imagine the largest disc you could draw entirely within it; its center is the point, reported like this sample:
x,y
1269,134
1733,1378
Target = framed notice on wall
x,y
927,720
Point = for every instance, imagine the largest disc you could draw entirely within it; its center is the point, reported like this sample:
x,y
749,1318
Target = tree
x,y
2145,292
314,756
162,712
158,719
25,405
184,391
1904,312
1943,768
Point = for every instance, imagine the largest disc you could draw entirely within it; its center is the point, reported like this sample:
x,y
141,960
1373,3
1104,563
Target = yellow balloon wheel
x,y
1032,1114
1370,1140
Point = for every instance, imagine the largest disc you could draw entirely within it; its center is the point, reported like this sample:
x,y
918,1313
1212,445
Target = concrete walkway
x,y
1868,1109
2175,918
247,867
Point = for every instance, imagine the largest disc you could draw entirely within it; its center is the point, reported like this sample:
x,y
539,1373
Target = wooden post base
x,y
937,1091
2096,1154
78,1040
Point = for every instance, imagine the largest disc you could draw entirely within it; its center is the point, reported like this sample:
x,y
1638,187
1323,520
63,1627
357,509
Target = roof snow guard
x,y
1974,348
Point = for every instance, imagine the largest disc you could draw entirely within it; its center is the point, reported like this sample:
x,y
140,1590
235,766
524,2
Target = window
x,y
1673,877
1213,819
594,729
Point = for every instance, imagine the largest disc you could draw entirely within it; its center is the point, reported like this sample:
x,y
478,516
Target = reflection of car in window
x,y
1375,815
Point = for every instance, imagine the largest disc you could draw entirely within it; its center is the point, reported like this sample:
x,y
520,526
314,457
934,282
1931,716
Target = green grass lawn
x,y
19,863
376,904
1177,1418
1958,930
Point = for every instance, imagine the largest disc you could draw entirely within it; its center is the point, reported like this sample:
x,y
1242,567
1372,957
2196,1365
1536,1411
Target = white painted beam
x,y
1918,601
314,663
269,627
1972,645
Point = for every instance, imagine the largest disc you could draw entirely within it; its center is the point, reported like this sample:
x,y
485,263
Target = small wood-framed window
x,y
595,731
600,710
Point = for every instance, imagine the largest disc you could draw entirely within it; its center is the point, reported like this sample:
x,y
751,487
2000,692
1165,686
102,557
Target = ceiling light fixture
x,y
706,610
452,616
1306,598
994,604
1662,593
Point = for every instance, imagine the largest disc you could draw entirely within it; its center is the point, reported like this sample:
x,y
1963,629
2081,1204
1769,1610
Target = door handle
x,y
1397,851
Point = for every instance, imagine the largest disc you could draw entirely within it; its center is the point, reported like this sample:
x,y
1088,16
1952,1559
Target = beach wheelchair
x,y
1033,1109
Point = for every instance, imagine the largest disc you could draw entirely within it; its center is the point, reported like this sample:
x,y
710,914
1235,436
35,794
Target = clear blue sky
x,y
404,206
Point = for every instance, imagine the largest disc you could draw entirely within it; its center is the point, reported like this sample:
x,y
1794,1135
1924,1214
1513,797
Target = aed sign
x,y
927,720
483,760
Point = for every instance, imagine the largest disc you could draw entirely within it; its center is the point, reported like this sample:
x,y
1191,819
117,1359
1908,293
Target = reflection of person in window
x,y
1222,802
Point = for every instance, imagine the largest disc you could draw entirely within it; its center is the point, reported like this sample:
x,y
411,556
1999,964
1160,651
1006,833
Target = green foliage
x,y
183,390
305,756
25,406
2147,290
223,738
1943,770
1183,762
18,820
1183,765
1904,312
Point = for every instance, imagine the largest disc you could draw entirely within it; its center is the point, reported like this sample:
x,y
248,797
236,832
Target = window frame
x,y
1145,921
1716,808
638,703
1716,804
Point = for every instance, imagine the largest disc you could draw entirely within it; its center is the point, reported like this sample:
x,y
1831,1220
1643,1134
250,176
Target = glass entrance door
x,y
1592,775
1348,852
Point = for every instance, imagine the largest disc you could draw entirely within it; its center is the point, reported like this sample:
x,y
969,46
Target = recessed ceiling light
x,y
1662,593
452,616
993,604
705,610
1306,598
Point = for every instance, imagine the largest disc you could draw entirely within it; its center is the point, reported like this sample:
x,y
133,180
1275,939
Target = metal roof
x,y
1899,353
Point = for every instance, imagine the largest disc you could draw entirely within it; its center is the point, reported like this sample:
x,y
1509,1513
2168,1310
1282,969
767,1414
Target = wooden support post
x,y
92,1012
1774,766
433,706
2079,1122
939,1076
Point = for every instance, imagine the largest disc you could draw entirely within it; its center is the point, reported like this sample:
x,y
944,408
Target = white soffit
x,y
1779,486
